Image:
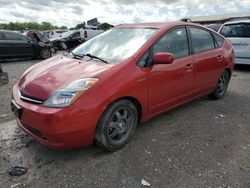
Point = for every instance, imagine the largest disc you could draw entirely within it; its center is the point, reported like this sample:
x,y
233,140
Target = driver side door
x,y
18,45
171,84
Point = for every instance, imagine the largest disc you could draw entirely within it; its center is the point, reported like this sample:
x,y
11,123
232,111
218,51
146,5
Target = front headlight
x,y
69,93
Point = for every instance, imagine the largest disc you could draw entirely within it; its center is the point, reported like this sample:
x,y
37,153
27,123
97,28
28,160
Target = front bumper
x,y
60,128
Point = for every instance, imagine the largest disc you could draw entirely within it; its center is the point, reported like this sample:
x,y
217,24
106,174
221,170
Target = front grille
x,y
30,100
34,131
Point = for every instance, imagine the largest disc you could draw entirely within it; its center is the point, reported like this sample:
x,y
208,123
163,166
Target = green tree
x,y
30,26
79,26
105,26
64,27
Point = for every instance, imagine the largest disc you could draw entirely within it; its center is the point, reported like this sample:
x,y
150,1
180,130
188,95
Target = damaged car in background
x,y
15,45
72,39
68,40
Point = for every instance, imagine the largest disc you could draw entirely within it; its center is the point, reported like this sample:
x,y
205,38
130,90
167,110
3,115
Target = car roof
x,y
7,31
237,21
157,25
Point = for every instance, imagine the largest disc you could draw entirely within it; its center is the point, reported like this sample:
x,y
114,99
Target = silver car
x,y
238,32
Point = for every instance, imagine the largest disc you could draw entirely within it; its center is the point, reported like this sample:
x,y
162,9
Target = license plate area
x,y
16,109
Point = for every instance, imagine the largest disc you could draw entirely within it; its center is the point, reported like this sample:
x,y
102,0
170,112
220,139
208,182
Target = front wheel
x,y
117,125
45,53
222,85
63,46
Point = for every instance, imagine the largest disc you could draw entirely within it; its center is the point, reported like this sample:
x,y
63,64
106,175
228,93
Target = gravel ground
x,y
14,70
204,143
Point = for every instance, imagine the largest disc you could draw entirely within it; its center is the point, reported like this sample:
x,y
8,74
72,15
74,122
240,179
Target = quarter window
x,y
201,40
143,61
219,40
175,42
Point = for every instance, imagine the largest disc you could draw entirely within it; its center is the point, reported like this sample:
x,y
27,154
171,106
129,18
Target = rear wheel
x,y
222,85
117,125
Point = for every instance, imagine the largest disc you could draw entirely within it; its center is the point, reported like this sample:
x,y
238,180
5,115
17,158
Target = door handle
x,y
220,57
189,66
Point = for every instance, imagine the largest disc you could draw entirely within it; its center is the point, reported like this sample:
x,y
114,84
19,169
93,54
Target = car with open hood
x,y
100,91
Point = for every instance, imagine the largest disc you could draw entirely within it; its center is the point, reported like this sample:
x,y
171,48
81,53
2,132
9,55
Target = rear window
x,y
236,30
219,40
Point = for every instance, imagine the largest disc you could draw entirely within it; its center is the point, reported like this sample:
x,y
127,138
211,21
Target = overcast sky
x,y
72,12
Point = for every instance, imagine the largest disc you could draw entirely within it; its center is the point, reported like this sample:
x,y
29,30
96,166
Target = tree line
x,y
45,26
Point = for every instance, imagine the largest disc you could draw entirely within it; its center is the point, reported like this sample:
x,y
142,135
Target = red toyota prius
x,y
103,89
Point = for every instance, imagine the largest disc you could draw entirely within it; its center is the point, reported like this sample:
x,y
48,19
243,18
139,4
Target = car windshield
x,y
236,30
117,44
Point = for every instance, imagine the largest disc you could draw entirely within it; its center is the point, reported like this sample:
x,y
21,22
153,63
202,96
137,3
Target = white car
x,y
90,32
56,33
238,32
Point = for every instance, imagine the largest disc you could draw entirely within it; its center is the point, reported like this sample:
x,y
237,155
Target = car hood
x,y
41,80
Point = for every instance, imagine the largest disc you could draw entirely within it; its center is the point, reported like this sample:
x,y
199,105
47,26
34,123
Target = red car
x,y
105,87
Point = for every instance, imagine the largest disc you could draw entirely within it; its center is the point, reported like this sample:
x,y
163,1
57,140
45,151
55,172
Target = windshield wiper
x,y
95,57
80,56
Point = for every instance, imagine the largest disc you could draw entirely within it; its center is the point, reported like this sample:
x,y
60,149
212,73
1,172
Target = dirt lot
x,y
204,143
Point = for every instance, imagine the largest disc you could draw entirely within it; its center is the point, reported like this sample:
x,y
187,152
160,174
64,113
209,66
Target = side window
x,y
175,42
201,40
219,40
13,36
1,36
76,34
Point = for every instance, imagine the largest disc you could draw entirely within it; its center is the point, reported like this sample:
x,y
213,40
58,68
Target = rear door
x,y
208,60
171,84
17,45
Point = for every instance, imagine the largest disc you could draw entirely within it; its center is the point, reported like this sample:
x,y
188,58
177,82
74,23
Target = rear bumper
x,y
242,61
59,128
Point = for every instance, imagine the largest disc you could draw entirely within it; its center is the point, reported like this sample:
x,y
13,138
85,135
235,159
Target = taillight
x,y
85,34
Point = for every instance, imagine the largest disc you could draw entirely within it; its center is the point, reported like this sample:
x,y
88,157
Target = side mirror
x,y
163,58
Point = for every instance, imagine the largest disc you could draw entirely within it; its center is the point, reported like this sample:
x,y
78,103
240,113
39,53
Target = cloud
x,y
70,13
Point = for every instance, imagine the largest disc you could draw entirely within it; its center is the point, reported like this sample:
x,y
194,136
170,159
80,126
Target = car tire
x,y
63,46
116,125
221,86
45,53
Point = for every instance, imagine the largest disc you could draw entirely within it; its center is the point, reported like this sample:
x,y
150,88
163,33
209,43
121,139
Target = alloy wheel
x,y
119,125
222,84
45,53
